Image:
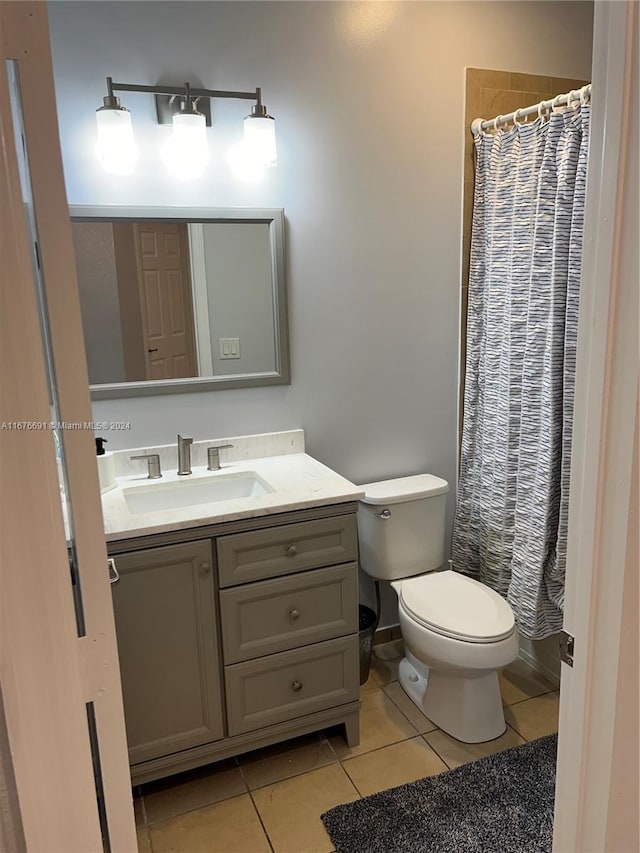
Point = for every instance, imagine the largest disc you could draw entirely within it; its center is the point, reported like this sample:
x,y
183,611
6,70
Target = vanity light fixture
x,y
186,153
116,146
260,134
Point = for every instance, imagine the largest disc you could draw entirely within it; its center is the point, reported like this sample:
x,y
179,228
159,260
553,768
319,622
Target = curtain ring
x,y
541,110
496,121
515,118
584,96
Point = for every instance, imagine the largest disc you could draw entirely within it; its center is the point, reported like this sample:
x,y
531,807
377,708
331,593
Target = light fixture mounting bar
x,y
169,98
179,90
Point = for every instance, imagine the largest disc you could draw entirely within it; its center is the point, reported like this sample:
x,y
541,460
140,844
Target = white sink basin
x,y
173,495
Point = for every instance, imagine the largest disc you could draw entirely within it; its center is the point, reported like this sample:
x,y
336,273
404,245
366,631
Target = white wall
x,y
369,102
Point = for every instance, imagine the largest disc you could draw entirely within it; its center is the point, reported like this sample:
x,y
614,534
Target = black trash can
x,y
367,627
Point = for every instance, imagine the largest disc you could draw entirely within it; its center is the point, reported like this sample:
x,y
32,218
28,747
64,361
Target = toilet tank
x,y
401,526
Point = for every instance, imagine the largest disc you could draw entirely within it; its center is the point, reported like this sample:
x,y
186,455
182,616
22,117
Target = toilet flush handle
x,y
385,514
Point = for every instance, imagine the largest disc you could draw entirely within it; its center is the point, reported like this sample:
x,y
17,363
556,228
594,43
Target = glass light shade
x,y
186,152
260,139
116,147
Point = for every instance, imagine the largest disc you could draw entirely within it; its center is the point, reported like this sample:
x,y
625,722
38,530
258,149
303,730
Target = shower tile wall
x,y
488,94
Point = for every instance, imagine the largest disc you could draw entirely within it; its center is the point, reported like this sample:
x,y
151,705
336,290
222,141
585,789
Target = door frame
x,y
49,673
600,553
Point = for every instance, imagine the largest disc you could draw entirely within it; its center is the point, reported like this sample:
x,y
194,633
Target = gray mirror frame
x,y
274,217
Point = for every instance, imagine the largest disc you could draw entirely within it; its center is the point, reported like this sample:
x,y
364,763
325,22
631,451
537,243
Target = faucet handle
x,y
213,456
153,462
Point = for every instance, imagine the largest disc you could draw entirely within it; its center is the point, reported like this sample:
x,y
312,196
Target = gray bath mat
x,y
499,804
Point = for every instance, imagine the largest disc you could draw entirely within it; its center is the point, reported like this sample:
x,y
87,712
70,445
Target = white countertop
x,y
298,482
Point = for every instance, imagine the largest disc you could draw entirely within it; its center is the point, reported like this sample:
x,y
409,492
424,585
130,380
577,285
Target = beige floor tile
x,y
144,842
410,710
371,683
187,791
393,765
232,826
274,763
381,724
535,717
454,753
519,682
291,810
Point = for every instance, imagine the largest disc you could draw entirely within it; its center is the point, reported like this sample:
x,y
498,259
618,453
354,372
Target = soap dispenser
x,y
106,467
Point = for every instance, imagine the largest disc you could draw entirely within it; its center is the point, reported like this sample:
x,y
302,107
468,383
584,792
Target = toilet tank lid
x,y
404,489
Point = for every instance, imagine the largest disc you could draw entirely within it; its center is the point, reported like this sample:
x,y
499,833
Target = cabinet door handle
x,y
294,614
292,551
205,568
114,577
296,686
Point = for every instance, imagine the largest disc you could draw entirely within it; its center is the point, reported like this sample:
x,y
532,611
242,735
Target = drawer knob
x,y
292,551
297,686
294,614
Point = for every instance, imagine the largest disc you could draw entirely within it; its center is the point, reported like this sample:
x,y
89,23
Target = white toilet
x,y
457,632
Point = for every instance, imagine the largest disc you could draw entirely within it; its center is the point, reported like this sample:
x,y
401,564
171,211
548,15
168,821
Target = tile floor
x,y
272,799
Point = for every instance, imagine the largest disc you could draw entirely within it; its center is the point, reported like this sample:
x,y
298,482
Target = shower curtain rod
x,y
479,124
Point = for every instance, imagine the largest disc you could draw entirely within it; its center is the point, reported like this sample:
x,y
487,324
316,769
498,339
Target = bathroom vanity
x,y
237,619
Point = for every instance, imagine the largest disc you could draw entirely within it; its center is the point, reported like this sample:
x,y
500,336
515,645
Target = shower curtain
x,y
510,528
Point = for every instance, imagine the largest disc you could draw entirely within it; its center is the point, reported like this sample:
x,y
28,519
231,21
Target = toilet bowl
x,y
457,632
456,640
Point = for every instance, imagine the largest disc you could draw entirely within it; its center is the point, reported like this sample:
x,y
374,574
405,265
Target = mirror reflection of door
x,y
165,297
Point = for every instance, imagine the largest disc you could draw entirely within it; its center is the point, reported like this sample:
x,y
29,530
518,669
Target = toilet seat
x,y
457,606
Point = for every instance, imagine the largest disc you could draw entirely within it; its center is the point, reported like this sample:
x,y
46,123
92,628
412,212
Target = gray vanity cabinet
x,y
237,635
164,605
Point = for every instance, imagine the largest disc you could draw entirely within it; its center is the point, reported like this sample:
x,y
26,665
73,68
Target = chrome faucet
x,y
153,463
213,456
184,455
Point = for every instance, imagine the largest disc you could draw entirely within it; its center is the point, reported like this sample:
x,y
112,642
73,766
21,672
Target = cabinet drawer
x,y
291,684
262,618
285,549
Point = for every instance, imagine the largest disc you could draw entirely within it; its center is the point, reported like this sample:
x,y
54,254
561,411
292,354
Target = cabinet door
x,y
167,645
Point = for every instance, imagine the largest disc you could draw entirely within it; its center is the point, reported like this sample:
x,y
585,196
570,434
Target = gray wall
x,y
369,102
240,295
99,302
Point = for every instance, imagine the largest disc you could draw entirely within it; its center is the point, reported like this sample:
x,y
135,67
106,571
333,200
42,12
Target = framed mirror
x,y
181,299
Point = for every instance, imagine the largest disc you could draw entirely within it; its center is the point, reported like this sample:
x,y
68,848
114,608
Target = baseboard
x,y
543,656
386,635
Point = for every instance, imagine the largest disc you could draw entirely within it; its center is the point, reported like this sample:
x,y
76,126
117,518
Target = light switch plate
x,y
229,347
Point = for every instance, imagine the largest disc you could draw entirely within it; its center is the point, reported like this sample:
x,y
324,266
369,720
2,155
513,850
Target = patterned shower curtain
x,y
511,517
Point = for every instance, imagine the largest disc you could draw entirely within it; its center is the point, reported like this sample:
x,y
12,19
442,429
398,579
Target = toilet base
x,y
469,709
